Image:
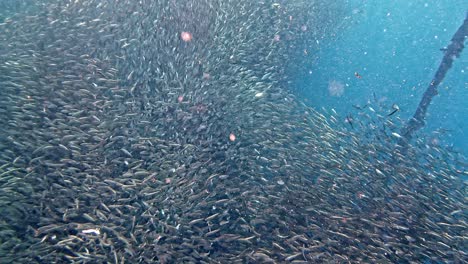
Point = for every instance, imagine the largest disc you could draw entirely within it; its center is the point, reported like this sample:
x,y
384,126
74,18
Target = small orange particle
x,y
186,36
232,137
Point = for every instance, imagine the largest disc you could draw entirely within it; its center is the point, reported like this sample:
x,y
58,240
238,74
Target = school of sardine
x,y
163,132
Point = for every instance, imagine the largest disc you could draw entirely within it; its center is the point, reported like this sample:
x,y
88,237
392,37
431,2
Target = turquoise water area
x,y
395,47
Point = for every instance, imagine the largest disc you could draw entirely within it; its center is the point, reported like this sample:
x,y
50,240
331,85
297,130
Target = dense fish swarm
x,y
125,140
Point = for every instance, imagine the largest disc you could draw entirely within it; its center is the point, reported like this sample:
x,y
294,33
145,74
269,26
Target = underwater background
x,y
231,131
396,47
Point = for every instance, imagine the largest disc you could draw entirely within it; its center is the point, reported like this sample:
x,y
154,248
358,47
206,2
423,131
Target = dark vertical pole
x,y
450,53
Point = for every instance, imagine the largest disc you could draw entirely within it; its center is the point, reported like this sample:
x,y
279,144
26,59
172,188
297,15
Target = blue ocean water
x,y
394,46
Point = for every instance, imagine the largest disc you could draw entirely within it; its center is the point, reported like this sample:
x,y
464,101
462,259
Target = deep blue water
x,y
395,47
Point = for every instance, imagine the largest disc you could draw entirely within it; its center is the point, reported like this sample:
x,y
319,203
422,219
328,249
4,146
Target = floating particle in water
x,y
304,28
206,76
276,38
180,98
434,141
232,137
186,36
336,88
